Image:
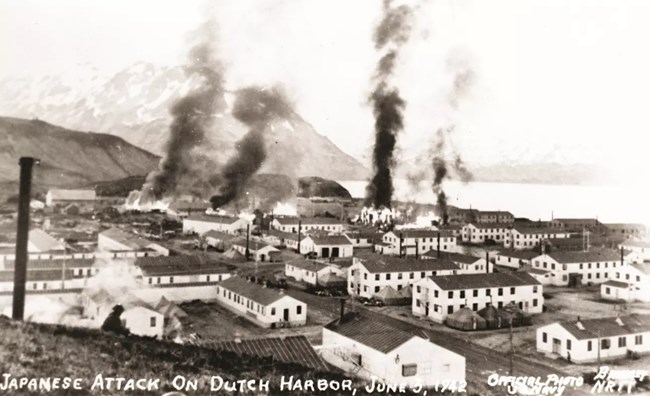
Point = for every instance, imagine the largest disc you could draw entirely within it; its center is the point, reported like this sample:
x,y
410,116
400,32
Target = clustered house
x,y
516,259
368,277
218,240
314,273
202,223
467,263
263,306
121,244
588,340
194,270
642,248
371,349
436,297
573,268
479,233
306,224
520,237
630,282
327,246
364,239
257,250
415,242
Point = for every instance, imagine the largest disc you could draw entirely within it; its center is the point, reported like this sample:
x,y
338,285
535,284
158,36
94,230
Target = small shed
x,y
466,319
331,280
491,316
390,296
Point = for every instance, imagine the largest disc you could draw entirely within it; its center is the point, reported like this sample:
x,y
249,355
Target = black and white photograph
x,y
336,197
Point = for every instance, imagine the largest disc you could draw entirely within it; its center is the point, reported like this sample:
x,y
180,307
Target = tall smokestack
x,y
22,236
392,32
248,236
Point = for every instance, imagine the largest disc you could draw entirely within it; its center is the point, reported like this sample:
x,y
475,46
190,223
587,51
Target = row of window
x,y
399,275
475,306
544,264
475,292
627,277
251,305
605,343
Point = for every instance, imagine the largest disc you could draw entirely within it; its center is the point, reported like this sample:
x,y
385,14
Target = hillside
x,y
68,158
134,104
318,187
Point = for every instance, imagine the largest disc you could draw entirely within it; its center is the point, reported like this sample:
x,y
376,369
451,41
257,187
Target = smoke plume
x,y
392,32
255,107
192,115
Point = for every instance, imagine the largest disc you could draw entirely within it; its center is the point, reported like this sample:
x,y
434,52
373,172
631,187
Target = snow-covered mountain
x,y
134,103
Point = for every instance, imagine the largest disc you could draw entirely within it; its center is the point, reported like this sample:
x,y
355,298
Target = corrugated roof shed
x,y
291,349
481,281
252,291
608,327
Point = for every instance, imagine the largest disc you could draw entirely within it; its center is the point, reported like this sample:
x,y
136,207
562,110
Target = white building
x,y
144,321
367,277
415,242
327,246
467,264
218,240
436,297
571,268
263,306
310,272
194,270
372,216
528,237
371,349
514,258
128,245
642,248
306,224
56,197
44,280
630,282
587,340
199,224
258,250
364,239
479,233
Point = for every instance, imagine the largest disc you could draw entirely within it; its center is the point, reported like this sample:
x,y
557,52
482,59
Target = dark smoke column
x,y
255,107
391,33
192,116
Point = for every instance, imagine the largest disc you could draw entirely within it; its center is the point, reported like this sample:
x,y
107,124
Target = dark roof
x,y
252,291
217,235
184,206
53,264
308,220
410,233
575,220
213,218
618,284
642,267
490,225
455,257
290,349
640,244
520,254
308,265
593,255
282,234
495,212
37,276
377,335
481,281
538,230
378,264
123,237
330,240
537,271
180,265
607,327
253,244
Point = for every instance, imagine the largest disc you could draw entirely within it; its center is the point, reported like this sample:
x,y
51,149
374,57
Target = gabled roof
x,y
411,233
379,264
455,257
307,220
184,269
252,291
490,225
620,285
290,349
591,256
482,281
134,242
375,334
538,230
38,276
72,195
41,241
494,212
54,264
313,266
642,267
330,240
607,327
213,218
639,244
520,254
253,245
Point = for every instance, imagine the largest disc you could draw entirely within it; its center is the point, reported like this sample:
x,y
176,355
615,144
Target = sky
x,y
555,80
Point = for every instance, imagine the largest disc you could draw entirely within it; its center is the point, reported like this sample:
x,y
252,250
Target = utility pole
x,y
512,348
598,341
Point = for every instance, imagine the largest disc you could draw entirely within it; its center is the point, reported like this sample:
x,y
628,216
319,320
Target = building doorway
x,y
557,346
286,314
325,252
335,252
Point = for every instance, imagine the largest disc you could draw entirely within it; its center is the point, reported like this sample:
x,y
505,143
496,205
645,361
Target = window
x,y
387,276
580,266
159,280
412,275
638,339
450,309
534,289
568,345
544,337
534,302
622,342
272,311
417,289
435,293
487,292
152,321
299,309
409,370
451,294
475,293
462,294
399,276
377,277
376,289
422,274
605,343
365,276
501,291
588,346
207,278
171,279
512,290
475,307
150,281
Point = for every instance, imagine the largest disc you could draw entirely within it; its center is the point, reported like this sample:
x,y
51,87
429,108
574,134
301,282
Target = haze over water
x,y
608,203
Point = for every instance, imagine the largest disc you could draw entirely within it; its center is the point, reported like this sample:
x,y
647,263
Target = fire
x,y
135,202
372,216
285,209
246,216
423,222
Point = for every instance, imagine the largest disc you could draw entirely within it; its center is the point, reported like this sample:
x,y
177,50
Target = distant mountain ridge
x,y
134,104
